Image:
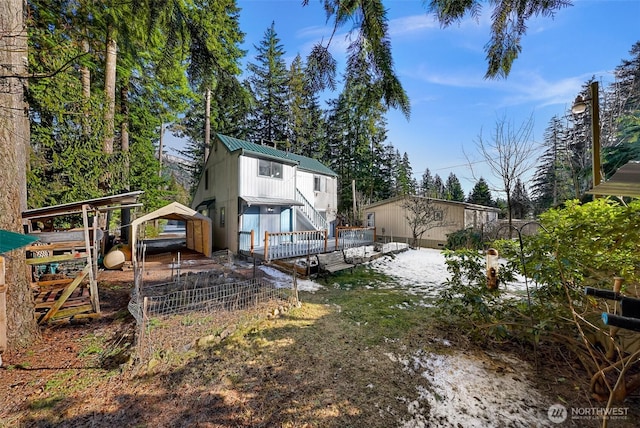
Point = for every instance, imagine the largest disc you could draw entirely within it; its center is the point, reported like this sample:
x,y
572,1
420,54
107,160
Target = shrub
x,y
469,238
577,246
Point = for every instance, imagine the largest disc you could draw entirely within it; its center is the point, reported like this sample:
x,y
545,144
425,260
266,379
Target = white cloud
x,y
412,24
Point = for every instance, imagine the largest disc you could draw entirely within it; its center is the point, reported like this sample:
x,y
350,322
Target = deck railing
x,y
350,237
285,245
246,242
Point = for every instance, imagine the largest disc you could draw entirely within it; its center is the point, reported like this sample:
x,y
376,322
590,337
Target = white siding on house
x,y
325,200
253,184
230,176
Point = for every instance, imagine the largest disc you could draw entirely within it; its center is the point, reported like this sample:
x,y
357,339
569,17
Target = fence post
x,y
266,246
145,303
326,239
251,243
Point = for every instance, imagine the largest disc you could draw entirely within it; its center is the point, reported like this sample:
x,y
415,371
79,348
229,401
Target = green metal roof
x,y
10,241
303,162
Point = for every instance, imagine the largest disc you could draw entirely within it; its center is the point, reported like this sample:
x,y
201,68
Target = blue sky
x,y
443,70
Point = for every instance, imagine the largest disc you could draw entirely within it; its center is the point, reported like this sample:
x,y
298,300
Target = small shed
x,y
64,266
197,227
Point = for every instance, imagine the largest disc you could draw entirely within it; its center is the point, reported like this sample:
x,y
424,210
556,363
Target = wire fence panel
x,y
175,316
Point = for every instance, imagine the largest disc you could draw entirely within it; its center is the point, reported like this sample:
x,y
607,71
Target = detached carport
x,y
197,227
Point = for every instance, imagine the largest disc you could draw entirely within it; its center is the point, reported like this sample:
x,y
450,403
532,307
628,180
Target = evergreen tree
x,y
21,327
305,125
453,189
357,130
552,179
268,81
481,194
386,172
626,96
426,184
520,202
406,184
438,188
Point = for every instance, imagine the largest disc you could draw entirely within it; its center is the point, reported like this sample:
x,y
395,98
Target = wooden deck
x,y
287,245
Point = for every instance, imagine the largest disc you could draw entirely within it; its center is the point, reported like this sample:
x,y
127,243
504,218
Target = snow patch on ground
x,y
284,280
471,391
423,272
459,390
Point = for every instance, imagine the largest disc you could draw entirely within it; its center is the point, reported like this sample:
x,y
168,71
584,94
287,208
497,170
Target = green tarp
x,y
9,241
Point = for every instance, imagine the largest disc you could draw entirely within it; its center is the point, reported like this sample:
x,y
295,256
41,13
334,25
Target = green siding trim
x,y
304,163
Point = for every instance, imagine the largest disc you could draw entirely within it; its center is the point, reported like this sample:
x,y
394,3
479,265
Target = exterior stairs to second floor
x,y
309,215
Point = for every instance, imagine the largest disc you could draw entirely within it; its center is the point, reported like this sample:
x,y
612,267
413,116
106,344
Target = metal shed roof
x,y
76,207
303,162
625,182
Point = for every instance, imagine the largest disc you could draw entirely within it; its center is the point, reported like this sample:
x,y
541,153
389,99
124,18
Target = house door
x,y
251,221
286,216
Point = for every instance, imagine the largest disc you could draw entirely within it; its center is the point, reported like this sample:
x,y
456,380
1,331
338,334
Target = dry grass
x,y
324,364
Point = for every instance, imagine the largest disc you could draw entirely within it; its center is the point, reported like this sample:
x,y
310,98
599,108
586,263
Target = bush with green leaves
x,y
470,238
579,245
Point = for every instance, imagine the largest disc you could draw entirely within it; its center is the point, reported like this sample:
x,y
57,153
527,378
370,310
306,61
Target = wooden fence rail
x,y
285,245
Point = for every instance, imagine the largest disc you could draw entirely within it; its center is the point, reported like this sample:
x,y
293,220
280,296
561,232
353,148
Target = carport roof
x,y
625,182
122,201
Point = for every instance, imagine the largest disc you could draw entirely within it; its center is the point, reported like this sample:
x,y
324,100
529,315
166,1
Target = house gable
x,y
261,151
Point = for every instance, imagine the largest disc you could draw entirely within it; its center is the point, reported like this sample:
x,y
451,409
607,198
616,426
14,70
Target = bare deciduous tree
x,y
510,153
423,214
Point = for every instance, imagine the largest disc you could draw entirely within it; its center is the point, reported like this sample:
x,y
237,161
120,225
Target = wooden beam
x,y
93,285
70,312
58,246
54,282
59,258
65,294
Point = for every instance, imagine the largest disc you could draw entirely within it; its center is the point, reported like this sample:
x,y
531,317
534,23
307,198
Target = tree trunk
x,y
207,125
125,231
14,143
110,91
85,74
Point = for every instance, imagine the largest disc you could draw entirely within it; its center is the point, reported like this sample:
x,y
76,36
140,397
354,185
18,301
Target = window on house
x,y
206,179
222,219
317,187
269,169
438,216
371,219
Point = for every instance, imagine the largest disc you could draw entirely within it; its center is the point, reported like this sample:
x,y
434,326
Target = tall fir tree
x,y
438,188
520,202
552,178
453,189
626,95
268,80
305,124
481,194
426,184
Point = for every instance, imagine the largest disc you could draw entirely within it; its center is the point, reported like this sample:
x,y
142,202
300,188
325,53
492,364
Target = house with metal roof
x,y
247,187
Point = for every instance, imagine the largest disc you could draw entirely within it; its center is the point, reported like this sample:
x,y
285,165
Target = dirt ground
x,y
258,380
